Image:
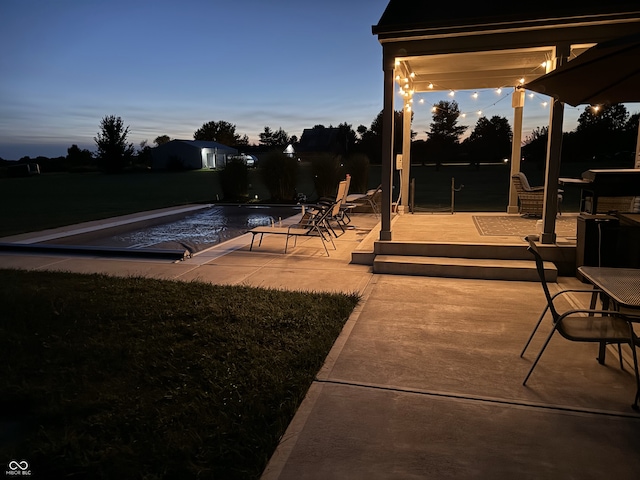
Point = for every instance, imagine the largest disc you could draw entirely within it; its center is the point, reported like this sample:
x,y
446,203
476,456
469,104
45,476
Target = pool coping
x,y
36,242
97,225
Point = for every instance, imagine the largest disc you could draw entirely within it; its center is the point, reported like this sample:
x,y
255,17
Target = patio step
x,y
514,251
480,268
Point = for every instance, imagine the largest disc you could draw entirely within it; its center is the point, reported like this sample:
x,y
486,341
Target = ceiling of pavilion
x,y
477,70
474,46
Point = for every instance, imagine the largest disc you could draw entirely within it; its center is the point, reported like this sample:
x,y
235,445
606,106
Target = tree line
x,y
602,134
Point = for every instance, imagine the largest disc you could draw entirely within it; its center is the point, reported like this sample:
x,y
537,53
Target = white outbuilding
x,y
190,155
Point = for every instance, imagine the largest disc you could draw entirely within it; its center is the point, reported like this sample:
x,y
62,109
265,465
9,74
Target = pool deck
x,y
425,379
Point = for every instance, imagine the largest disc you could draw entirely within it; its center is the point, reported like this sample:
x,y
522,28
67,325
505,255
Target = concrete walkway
x,y
425,378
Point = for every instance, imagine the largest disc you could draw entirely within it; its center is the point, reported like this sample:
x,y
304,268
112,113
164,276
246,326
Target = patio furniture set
x,y
603,191
318,219
618,288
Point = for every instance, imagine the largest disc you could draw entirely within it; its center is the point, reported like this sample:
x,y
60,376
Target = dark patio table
x,y
621,286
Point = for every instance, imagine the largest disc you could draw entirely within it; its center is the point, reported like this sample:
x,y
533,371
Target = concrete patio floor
x,y
425,380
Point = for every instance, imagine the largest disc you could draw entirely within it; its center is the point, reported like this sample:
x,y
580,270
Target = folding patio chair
x,y
335,207
370,198
314,221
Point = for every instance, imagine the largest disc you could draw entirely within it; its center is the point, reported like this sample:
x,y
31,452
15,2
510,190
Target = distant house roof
x,y
318,139
204,144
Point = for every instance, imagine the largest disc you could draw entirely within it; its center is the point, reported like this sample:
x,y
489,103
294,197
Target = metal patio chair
x,y
586,325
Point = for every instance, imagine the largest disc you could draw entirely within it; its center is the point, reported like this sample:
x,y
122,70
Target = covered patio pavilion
x,y
429,47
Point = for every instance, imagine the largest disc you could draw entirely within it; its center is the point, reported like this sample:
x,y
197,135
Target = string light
x,y
407,90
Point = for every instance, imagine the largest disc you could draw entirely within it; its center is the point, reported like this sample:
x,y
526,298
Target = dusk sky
x,y
167,67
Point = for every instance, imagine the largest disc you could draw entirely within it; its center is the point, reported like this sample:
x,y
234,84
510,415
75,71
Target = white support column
x,y
554,150
406,157
637,163
388,65
517,102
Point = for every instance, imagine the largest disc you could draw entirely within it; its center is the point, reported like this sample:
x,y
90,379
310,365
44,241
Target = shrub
x,y
234,180
357,165
279,173
327,172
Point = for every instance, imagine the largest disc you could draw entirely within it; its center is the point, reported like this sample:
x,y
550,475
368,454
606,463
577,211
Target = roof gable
x,y
318,139
204,144
398,16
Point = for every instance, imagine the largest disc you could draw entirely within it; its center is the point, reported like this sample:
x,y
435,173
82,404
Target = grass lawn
x,y
136,378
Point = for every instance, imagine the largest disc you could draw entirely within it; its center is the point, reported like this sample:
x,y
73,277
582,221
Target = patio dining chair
x,y
593,291
586,325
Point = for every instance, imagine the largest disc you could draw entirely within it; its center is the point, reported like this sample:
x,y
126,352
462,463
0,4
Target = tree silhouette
x,y
77,158
161,140
371,139
114,152
221,132
535,145
600,133
445,133
489,141
276,139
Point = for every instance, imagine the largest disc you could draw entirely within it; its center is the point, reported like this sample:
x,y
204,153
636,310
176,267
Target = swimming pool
x,y
191,231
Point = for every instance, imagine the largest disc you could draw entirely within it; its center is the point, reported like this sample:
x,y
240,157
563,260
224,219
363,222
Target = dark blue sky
x,y
167,67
